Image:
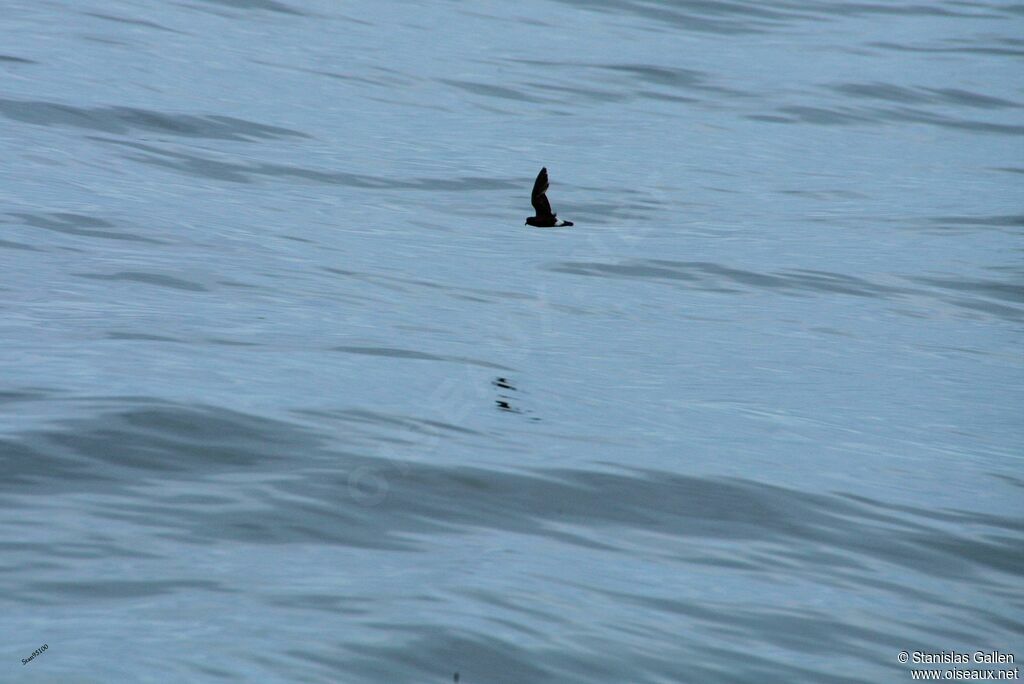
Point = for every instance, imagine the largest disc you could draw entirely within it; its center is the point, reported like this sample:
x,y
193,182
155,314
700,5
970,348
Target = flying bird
x,y
545,218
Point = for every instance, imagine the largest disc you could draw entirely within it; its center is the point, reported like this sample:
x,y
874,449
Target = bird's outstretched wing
x,y
539,199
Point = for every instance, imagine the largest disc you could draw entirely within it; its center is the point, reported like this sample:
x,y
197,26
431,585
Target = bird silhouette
x,y
545,218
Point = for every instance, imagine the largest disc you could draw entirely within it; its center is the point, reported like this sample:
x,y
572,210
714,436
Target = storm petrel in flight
x,y
545,218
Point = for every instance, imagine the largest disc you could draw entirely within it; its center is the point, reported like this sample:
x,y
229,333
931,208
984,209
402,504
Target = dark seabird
x,y
545,218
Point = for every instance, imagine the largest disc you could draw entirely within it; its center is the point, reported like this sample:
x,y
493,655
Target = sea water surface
x,y
291,394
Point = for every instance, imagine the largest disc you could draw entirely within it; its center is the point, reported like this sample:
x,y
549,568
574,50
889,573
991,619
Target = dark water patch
x,y
130,22
231,343
209,672
351,78
710,274
267,5
665,97
392,353
80,225
770,118
386,77
826,195
122,120
716,278
490,90
422,499
1008,169
900,8
823,281
417,355
104,40
1008,291
674,77
966,49
840,117
427,653
149,438
703,16
662,76
24,394
798,629
28,468
580,93
383,420
148,279
320,502
642,270
119,589
11,59
399,102
241,173
998,221
895,510
235,283
893,93
351,605
1006,312
343,272
397,281
821,115
141,337
969,99
7,244
906,114
73,550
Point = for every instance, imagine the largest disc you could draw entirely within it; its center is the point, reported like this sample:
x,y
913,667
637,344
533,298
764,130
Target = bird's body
x,y
545,218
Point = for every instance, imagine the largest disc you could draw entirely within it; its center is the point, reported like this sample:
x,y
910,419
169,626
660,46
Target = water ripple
x,y
125,119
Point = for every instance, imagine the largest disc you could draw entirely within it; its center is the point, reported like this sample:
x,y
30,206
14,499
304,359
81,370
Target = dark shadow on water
x,y
207,167
1005,221
712,276
976,47
702,16
630,76
426,653
268,5
158,279
417,355
796,282
892,93
130,22
490,90
80,225
7,244
991,288
139,337
310,492
860,115
120,590
122,120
